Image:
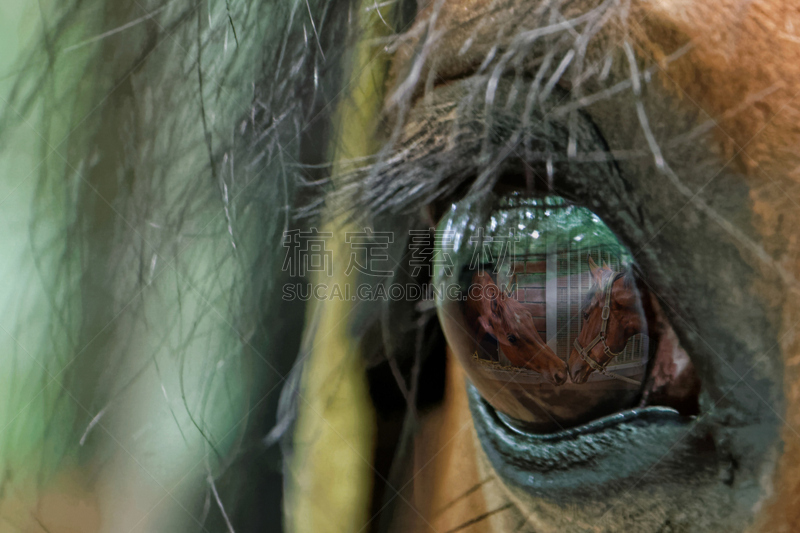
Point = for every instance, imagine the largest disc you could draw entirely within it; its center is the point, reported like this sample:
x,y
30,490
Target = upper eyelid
x,y
450,146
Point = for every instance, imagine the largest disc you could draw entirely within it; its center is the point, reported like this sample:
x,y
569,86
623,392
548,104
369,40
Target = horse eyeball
x,y
543,254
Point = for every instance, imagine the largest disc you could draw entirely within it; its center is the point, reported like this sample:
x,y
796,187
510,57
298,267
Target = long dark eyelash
x,y
499,130
455,152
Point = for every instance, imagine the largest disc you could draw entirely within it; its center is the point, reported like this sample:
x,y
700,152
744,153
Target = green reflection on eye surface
x,y
534,223
527,223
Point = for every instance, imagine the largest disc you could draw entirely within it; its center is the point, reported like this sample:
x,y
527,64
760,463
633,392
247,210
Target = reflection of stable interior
x,y
552,288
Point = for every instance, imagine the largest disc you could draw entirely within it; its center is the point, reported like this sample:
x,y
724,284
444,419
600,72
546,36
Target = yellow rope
x,y
330,484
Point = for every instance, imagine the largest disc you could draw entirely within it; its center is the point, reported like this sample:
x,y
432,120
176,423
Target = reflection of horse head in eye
x,y
508,321
612,314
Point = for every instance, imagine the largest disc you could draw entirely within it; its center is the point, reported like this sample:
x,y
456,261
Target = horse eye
x,y
560,259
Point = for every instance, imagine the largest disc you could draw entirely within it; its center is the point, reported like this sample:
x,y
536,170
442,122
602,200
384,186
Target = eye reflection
x,y
612,315
541,307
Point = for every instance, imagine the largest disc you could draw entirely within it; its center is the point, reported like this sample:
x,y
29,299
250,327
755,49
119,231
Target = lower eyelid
x,y
584,458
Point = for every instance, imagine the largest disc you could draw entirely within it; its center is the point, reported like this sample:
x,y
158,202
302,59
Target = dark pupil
x,y
512,338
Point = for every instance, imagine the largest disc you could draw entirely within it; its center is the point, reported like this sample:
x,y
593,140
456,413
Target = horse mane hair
x,y
178,141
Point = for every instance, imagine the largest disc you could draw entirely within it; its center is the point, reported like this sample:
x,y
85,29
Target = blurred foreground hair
x,y
173,145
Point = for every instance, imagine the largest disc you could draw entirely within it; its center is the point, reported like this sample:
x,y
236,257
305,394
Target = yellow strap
x,y
329,483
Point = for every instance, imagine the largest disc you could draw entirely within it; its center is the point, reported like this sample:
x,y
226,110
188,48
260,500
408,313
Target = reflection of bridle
x,y
601,337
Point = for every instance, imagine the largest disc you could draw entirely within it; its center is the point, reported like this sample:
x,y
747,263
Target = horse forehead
x,y
521,316
625,293
589,302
